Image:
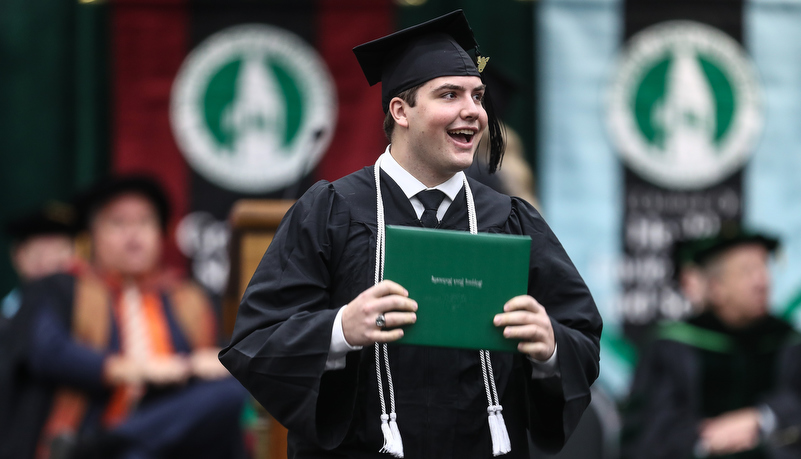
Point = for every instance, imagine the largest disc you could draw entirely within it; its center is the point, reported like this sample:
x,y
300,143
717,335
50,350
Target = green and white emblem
x,y
253,108
684,106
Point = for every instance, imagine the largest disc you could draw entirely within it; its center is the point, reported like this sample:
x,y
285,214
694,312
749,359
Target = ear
x,y
397,108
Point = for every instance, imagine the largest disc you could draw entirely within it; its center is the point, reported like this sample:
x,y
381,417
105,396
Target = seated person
x,y
41,244
119,360
727,382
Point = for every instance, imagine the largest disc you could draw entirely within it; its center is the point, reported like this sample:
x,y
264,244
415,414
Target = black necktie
x,y
431,200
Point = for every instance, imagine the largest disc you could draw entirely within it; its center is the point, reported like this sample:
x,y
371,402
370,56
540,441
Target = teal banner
x,y
663,124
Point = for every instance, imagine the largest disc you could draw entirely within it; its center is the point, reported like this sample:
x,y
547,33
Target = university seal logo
x,y
684,108
253,108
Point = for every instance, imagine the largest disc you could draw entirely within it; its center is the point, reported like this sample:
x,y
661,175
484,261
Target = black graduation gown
x,y
687,376
25,399
322,257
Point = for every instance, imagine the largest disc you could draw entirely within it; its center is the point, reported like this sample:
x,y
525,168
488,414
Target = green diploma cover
x,y
460,282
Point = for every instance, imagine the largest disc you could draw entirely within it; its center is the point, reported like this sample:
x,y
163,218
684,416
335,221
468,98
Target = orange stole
x,y
91,326
126,396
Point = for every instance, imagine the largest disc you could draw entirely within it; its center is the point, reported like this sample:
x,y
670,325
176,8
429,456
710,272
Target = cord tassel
x,y
501,444
495,433
388,440
506,443
397,441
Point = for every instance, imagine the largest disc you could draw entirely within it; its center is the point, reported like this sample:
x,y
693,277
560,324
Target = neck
x,y
733,320
421,172
119,278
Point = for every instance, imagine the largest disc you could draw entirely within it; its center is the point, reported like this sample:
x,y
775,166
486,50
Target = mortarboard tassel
x,y
496,130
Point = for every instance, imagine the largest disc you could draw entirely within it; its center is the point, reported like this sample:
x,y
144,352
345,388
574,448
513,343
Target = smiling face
x,y
438,136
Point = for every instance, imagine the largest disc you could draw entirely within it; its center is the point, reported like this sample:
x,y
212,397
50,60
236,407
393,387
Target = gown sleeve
x,y
557,403
56,356
785,400
283,329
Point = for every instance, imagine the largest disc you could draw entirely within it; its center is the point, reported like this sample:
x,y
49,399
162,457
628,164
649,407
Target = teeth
x,y
462,131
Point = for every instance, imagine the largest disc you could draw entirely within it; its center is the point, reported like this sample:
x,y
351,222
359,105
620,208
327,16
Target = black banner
x,y
657,216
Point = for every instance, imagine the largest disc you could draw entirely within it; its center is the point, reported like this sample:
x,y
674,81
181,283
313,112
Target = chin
x,y
136,269
463,160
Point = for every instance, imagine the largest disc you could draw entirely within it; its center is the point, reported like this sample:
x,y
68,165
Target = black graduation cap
x,y
417,54
106,190
53,218
420,53
703,250
683,255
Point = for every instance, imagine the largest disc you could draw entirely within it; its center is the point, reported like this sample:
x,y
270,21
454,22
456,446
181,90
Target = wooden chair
x,y
253,226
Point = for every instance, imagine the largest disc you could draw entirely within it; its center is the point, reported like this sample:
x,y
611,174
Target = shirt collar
x,y
411,186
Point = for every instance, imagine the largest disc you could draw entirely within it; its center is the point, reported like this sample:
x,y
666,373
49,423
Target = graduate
x,y
311,332
725,383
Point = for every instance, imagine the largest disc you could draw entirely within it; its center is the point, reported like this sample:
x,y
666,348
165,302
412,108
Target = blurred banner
x,y
226,100
240,99
54,126
660,122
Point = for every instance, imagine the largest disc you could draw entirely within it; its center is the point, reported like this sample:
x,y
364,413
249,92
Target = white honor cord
x,y
393,443
389,427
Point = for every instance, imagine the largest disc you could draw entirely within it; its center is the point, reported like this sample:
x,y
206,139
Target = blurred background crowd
x,y
659,139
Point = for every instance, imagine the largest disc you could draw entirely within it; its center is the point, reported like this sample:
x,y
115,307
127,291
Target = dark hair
x,y
112,187
410,97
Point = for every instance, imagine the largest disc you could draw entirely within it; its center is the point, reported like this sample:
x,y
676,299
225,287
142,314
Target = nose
x,y
471,109
763,278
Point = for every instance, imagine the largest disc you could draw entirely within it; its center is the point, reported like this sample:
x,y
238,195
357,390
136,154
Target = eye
x,y
478,97
449,95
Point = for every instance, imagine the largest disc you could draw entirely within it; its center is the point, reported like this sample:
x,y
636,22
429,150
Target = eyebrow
x,y
456,87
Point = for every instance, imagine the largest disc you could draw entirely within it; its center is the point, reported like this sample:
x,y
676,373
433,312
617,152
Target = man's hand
x,y
119,369
731,432
166,370
206,365
387,298
524,319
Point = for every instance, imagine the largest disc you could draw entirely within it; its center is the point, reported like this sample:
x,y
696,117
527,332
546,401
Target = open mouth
x,y
462,135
